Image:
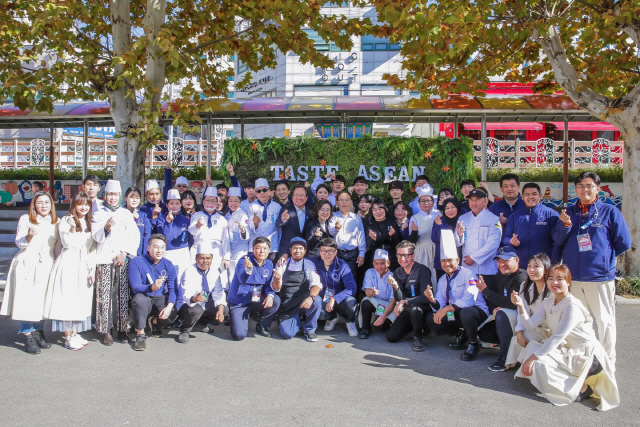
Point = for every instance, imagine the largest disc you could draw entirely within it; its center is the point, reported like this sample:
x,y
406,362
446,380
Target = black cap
x,y
477,193
506,252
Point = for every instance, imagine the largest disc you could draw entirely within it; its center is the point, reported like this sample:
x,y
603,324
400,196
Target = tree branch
x,y
220,40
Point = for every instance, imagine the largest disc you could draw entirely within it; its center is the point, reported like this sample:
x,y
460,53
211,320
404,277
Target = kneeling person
x,y
458,304
202,295
153,283
380,290
298,285
251,292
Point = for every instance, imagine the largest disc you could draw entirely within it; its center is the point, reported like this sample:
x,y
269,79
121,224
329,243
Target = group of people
x,y
516,274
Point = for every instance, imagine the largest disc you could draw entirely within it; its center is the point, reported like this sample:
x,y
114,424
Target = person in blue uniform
x,y
154,206
380,298
154,287
251,292
511,200
174,226
132,198
530,229
298,285
592,234
338,287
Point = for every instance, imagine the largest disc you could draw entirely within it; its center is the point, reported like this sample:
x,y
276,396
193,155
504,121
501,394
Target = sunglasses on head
x,y
264,190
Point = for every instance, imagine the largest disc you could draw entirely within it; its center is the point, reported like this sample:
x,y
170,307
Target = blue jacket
x,y
147,208
144,226
338,278
141,266
435,238
534,227
168,183
241,289
176,231
503,207
292,227
609,236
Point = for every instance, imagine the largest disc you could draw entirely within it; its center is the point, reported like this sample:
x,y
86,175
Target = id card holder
x,y
584,242
451,316
205,294
380,310
328,295
505,292
413,291
257,293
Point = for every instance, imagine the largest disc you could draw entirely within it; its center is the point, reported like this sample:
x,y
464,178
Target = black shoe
x,y
207,329
418,344
585,394
262,331
461,340
311,337
227,320
364,334
30,344
183,337
38,335
156,330
141,343
123,337
107,339
498,365
471,352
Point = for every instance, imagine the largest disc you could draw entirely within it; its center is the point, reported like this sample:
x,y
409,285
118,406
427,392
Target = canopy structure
x,y
497,109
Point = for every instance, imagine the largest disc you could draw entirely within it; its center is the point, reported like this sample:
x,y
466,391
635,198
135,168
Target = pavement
x,y
268,382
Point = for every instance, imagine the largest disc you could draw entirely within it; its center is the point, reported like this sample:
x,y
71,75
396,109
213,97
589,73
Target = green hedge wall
x,y
447,161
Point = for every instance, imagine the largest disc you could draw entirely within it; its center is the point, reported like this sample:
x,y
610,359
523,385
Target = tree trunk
x,y
130,162
631,194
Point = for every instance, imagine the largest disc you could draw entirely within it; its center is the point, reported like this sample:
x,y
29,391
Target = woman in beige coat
x,y
570,365
28,276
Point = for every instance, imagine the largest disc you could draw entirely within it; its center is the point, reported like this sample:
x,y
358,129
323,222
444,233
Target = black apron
x,y
294,290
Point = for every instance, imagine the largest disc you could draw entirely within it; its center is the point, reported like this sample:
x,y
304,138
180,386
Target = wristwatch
x,y
313,297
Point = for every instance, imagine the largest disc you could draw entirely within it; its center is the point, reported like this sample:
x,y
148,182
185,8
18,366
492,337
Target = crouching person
x,y
380,290
201,296
251,292
153,284
458,305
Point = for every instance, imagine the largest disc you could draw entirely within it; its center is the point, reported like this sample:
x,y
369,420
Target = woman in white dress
x,y
70,291
238,226
571,364
28,275
420,227
533,291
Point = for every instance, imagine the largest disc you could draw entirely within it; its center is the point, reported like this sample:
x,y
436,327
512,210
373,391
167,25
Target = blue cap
x,y
506,252
298,241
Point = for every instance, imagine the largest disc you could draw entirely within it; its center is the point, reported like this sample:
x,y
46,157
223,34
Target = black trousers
x,y
367,309
273,256
498,332
468,318
191,315
346,308
412,319
351,258
143,306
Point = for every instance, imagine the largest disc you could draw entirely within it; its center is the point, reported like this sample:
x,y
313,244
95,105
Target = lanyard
x,y
449,279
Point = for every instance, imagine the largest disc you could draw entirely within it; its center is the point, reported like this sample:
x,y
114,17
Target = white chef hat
x,y
204,248
381,254
261,182
113,186
173,194
210,191
150,185
182,180
235,192
448,248
425,190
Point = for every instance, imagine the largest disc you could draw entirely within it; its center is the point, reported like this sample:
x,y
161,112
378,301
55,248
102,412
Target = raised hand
x,y
460,229
438,219
168,163
285,216
287,172
514,241
391,281
503,219
229,168
414,226
392,231
170,217
405,224
516,300
135,214
30,233
247,262
338,225
201,222
318,232
241,227
109,224
429,293
372,235
565,218
256,219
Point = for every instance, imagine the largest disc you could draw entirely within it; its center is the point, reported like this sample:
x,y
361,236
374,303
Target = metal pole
x,y
208,145
565,163
15,153
517,154
483,137
51,156
455,126
104,154
85,148
241,128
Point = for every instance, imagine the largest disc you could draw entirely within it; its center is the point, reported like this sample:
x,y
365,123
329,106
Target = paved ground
x,y
213,380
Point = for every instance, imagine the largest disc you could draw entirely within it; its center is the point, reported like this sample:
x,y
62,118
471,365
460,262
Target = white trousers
x,y
599,299
181,259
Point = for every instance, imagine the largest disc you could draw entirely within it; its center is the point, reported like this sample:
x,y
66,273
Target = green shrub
x,y
254,158
629,285
606,174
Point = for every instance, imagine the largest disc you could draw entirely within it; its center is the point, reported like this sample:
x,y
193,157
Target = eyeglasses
x,y
585,187
181,186
264,190
405,255
425,202
344,200
327,251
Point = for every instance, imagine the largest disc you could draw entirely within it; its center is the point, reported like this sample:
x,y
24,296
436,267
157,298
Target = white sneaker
x,y
72,344
81,340
330,324
351,327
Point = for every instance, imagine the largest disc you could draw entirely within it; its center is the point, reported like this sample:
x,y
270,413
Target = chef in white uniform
x,y
238,226
209,227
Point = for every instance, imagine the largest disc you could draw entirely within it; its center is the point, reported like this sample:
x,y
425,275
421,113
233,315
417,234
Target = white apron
x,y
425,248
374,316
181,259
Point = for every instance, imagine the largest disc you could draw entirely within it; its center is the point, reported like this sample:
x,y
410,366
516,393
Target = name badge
x,y
257,293
380,310
584,243
413,291
328,295
505,292
205,294
451,316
